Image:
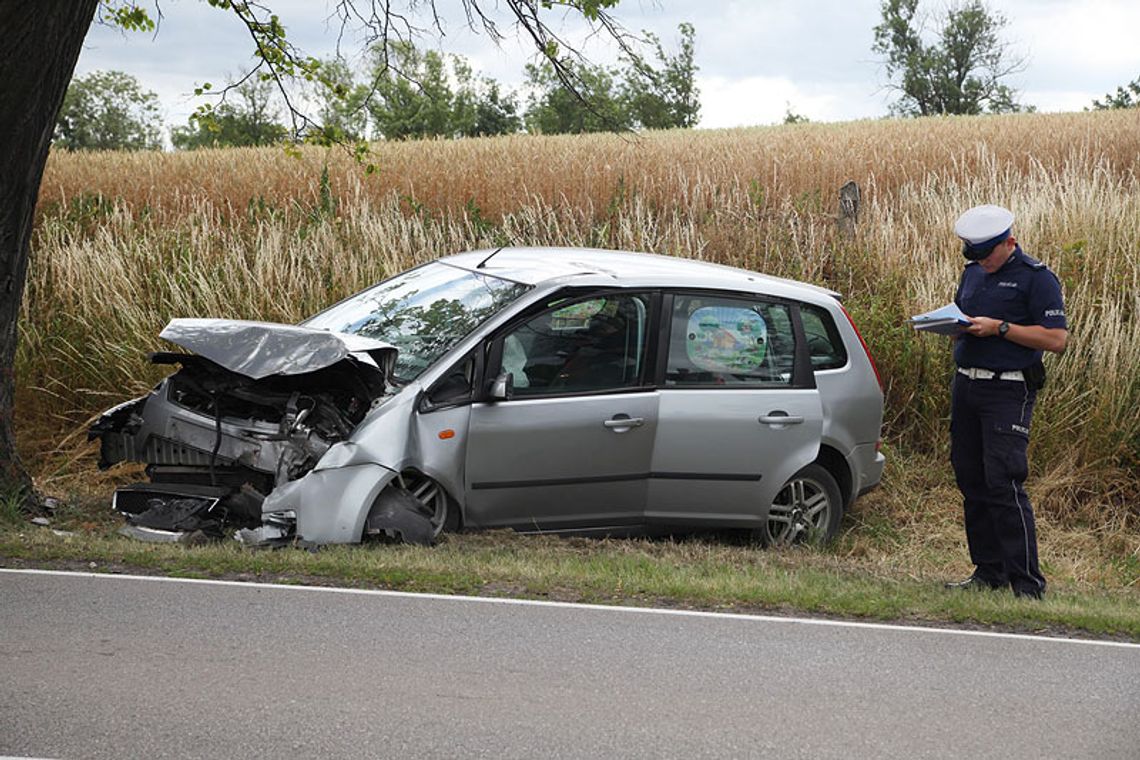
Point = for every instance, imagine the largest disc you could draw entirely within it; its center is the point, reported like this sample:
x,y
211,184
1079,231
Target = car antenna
x,y
484,261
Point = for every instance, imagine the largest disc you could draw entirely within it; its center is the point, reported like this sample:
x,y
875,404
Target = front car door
x,y
739,412
571,448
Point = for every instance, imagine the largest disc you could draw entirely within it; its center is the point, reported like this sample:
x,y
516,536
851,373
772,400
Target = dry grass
x,y
124,242
689,171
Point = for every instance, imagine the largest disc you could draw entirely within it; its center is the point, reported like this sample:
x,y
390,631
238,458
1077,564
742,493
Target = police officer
x,y
1016,313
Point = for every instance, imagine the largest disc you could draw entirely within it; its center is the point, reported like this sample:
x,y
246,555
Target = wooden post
x,y
848,208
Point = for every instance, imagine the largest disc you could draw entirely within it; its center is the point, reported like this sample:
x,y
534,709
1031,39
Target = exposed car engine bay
x,y
217,441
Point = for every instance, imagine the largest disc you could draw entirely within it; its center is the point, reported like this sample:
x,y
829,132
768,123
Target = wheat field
x,y
126,241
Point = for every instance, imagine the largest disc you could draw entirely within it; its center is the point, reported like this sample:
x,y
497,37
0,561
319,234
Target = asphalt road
x,y
112,666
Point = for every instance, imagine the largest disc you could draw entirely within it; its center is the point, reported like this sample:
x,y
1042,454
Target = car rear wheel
x,y
808,508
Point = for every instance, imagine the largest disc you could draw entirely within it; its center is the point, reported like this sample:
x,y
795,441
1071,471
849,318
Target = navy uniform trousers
x,y
989,435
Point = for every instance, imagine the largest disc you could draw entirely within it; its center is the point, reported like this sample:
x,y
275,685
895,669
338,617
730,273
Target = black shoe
x,y
1029,593
974,583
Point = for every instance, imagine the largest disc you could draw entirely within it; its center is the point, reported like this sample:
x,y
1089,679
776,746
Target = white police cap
x,y
981,228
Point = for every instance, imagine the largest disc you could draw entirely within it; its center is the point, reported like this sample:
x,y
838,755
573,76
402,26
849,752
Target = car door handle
x,y
623,422
781,418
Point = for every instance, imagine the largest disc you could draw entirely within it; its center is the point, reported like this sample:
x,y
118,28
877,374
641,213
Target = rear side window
x,y
716,341
824,344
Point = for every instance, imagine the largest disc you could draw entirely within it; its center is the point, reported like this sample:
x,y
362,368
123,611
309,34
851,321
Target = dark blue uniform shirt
x,y
1023,292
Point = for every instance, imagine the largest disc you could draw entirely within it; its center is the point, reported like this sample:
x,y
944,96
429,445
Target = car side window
x,y
722,341
453,388
581,346
823,340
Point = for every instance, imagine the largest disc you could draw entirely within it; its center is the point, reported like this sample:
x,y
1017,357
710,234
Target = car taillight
x,y
866,350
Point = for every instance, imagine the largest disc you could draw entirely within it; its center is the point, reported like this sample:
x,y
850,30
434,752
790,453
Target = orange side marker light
x,y
445,434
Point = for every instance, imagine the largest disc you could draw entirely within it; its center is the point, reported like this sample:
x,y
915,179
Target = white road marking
x,y
578,606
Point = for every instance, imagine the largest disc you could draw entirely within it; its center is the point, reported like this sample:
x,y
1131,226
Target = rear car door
x,y
739,412
571,448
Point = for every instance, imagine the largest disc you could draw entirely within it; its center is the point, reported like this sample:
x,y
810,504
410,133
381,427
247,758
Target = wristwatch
x,y
1003,328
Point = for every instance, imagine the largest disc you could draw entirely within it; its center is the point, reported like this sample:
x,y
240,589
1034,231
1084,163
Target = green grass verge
x,y
703,573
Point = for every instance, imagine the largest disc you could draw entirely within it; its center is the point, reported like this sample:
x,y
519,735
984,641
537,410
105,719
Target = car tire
x,y
807,509
436,504
398,517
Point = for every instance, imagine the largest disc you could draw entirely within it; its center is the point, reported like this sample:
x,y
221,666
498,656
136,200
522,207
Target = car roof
x,y
600,267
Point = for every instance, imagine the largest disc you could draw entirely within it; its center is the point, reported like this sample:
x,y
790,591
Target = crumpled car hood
x,y
262,349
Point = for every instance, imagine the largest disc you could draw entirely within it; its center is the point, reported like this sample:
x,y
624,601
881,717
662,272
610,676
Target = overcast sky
x,y
756,58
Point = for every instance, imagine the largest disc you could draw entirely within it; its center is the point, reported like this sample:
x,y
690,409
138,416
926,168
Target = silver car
x,y
546,390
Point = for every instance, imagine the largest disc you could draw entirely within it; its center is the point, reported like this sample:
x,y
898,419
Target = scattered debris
x,y
177,515
151,535
199,538
265,535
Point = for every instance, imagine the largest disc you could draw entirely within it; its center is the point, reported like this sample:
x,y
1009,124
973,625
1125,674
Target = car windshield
x,y
423,312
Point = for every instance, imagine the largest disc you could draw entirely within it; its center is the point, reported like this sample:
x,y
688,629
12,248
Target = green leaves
x,y
597,106
247,116
1127,96
641,95
109,110
664,97
956,69
127,15
590,9
409,93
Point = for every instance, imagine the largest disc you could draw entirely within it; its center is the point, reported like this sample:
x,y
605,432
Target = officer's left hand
x,y
983,327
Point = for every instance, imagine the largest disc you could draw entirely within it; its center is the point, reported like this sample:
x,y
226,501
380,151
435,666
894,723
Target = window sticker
x,y
726,339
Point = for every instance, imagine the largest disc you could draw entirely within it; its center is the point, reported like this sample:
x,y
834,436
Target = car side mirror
x,y
503,387
454,387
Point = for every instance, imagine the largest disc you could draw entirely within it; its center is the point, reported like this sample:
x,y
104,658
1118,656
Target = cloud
x,y
766,100
755,58
1071,43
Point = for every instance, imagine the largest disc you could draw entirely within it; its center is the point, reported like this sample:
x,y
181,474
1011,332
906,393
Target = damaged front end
x,y
254,408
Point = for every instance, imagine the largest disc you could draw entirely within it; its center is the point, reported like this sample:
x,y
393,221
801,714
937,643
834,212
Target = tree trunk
x,y
41,42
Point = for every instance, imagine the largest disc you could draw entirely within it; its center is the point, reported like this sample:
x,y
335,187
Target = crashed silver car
x,y
552,390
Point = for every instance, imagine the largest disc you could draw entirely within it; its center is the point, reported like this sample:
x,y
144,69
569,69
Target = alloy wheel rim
x,y
433,499
800,510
